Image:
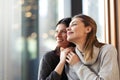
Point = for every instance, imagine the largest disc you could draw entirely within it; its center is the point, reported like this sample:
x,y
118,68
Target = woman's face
x,y
77,31
61,35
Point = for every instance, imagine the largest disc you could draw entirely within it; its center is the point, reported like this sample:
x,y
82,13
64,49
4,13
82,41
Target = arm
x,y
54,73
108,67
45,71
59,68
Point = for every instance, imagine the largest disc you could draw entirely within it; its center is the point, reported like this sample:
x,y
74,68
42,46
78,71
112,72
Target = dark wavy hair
x,y
65,21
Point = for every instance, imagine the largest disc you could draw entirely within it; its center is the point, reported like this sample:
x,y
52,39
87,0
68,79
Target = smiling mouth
x,y
68,33
59,40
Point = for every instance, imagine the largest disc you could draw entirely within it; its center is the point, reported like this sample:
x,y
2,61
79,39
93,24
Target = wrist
x,y
62,62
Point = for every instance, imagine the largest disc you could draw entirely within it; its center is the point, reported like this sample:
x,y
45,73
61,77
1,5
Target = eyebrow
x,y
73,22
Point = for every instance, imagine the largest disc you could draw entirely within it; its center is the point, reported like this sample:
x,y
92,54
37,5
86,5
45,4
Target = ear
x,y
88,29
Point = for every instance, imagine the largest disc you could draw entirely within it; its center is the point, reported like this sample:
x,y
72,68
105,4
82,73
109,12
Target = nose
x,y
58,34
68,28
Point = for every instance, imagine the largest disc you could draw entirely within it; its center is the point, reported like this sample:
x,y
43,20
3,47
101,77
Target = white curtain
x,y
10,39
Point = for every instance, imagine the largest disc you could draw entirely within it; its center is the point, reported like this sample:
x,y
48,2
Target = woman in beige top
x,y
91,60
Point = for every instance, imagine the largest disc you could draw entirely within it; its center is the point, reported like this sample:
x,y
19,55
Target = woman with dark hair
x,y
91,60
52,63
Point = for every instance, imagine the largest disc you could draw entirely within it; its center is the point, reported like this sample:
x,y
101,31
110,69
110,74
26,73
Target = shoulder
x,y
109,50
108,47
49,54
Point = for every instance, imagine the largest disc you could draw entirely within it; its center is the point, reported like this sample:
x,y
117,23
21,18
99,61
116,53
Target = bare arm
x,y
59,68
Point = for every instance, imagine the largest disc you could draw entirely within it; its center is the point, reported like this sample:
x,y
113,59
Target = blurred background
x,y
27,30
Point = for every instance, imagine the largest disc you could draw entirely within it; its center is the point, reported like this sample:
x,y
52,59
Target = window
x,y
95,9
10,40
49,13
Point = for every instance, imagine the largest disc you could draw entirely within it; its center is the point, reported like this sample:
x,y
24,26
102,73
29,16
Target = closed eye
x,y
73,24
62,31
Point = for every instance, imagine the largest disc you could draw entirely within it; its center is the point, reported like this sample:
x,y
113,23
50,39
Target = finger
x,y
69,55
67,60
72,53
61,49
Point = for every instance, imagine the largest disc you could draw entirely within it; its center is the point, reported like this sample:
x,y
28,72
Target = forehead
x,y
61,27
77,20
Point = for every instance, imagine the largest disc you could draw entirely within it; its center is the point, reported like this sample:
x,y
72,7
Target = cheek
x,y
55,36
78,31
65,37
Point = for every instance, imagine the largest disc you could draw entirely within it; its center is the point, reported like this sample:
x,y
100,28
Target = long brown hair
x,y
91,39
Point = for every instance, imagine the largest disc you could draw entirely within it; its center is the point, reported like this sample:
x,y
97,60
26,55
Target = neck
x,y
80,48
80,45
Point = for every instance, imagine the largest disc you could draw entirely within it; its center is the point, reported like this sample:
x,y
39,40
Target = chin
x,y
69,39
59,45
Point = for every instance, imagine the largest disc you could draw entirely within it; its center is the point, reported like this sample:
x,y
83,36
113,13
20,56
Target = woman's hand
x,y
64,53
72,58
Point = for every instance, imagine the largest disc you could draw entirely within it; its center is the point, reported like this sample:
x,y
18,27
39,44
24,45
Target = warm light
x,y
28,8
28,14
33,35
22,2
45,35
51,32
